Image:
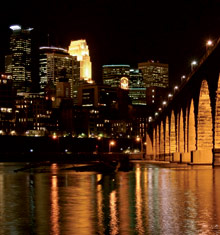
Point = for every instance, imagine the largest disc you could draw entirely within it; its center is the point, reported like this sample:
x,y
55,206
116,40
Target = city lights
x,y
15,27
111,144
209,43
176,88
193,64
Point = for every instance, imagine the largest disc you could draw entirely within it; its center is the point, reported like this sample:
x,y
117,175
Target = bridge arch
x,y
161,138
154,144
217,117
157,142
181,132
172,133
167,137
204,119
191,146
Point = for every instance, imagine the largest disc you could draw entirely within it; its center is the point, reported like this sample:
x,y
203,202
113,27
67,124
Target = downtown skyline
x,y
124,32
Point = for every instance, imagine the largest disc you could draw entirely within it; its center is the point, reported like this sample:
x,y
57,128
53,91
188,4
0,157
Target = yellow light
x,y
80,49
124,83
112,143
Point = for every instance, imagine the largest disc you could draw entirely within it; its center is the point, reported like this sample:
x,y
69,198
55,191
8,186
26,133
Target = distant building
x,y
154,74
7,104
93,95
55,65
80,49
18,62
34,115
116,75
137,89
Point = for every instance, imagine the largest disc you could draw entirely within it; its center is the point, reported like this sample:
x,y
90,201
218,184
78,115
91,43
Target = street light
x,y
111,144
193,64
176,88
209,44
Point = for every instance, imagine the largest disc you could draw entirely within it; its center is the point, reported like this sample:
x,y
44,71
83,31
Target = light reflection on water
x,y
148,200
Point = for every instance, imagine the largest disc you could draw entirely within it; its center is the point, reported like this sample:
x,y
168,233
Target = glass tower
x,y
57,65
155,74
20,52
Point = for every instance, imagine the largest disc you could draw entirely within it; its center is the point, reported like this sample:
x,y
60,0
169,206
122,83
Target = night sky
x,y
120,31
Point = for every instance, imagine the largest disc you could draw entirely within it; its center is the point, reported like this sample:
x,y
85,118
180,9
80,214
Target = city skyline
x,y
123,32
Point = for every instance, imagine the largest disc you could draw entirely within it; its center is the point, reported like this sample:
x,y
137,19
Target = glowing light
x,y
194,62
124,83
176,88
15,27
170,95
54,136
209,43
80,49
111,144
164,103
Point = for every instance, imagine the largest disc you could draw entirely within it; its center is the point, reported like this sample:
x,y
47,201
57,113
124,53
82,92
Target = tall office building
x,y
18,63
137,89
116,75
57,65
80,49
155,74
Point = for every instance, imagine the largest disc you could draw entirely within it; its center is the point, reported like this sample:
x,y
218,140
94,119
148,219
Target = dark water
x,y
148,200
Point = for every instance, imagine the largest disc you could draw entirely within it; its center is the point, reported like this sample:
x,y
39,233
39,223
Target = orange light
x,y
54,137
112,143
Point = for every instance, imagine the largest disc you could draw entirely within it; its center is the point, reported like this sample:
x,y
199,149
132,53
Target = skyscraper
x,y
116,75
57,65
137,89
154,74
18,63
80,49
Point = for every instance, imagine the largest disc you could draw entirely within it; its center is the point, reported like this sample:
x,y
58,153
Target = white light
x,y
183,77
15,27
170,95
194,62
164,103
209,43
31,150
176,88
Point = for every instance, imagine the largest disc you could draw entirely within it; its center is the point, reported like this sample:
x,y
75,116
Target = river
x,y
150,199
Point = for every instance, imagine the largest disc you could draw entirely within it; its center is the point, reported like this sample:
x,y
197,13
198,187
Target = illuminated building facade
x,y
80,49
137,90
112,75
154,74
56,64
7,104
19,61
34,116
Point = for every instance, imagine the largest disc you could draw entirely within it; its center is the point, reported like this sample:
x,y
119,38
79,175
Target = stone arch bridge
x,y
188,129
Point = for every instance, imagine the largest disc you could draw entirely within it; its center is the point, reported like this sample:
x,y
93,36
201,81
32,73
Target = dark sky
x,y
121,31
